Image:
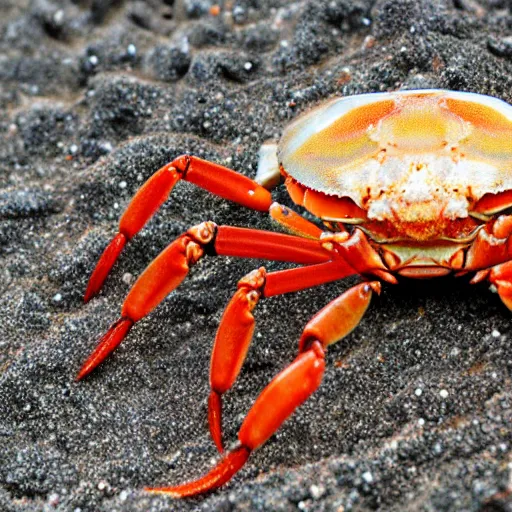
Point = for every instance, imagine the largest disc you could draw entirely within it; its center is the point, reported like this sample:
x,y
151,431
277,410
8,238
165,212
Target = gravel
x,y
414,412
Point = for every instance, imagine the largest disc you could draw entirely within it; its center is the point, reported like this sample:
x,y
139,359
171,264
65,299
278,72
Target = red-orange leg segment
x,y
491,246
242,243
212,177
143,205
237,325
231,345
501,277
172,265
340,317
288,390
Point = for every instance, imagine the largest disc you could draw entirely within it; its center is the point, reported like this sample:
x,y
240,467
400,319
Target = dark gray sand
x,y
414,412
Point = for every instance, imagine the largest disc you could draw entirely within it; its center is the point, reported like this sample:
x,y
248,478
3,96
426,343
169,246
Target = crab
x,y
413,184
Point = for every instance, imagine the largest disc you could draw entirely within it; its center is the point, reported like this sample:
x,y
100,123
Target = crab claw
x,y
107,344
218,476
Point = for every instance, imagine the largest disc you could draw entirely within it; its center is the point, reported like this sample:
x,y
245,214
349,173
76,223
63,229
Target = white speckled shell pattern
x,y
428,147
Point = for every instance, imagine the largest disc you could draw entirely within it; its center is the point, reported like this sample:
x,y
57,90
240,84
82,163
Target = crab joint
x,y
143,205
164,274
167,271
329,240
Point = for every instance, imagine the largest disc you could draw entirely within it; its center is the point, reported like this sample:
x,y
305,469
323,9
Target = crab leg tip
x,y
105,263
218,476
215,419
107,344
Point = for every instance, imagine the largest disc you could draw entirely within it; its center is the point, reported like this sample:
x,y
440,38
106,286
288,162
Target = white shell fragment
x,y
268,174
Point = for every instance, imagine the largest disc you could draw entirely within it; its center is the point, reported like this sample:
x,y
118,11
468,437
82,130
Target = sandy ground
x,y
414,412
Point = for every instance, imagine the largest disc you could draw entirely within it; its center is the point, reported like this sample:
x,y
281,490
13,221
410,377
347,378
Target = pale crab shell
x,y
406,154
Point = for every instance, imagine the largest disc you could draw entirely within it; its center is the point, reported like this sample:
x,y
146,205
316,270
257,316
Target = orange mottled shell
x,y
392,152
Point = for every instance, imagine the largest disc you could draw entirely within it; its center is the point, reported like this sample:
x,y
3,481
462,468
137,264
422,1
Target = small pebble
x,y
443,393
367,477
316,491
58,17
102,485
239,14
131,50
127,278
106,147
53,499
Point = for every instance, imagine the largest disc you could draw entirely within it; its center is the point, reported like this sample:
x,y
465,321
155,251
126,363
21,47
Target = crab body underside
x,y
413,183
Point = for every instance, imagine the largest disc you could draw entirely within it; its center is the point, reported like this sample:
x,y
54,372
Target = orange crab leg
x,y
249,243
162,276
231,345
340,317
295,279
288,390
172,265
212,177
493,203
279,399
237,325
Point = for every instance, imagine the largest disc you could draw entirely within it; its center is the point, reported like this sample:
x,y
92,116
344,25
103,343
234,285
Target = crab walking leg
x,y
212,177
172,265
283,216
237,325
288,390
